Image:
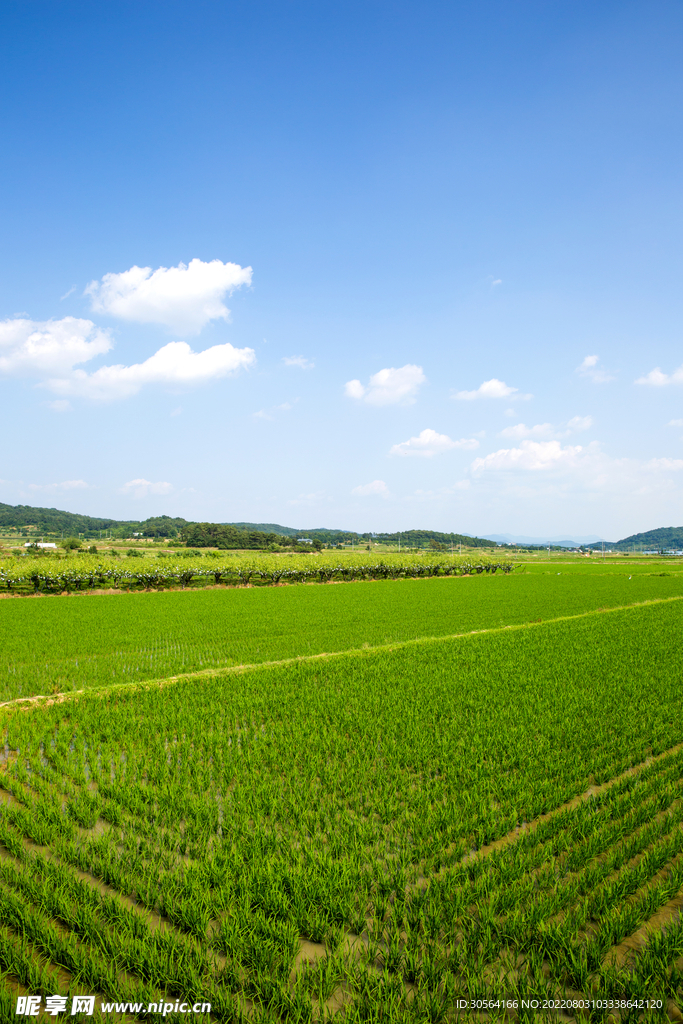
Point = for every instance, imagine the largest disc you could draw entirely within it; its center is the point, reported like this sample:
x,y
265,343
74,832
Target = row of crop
x,y
308,799
40,579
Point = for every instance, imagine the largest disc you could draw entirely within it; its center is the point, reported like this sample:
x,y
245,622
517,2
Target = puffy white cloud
x,y
377,487
675,423
589,368
493,388
38,348
655,378
175,363
531,455
184,298
300,361
140,488
389,386
60,405
428,443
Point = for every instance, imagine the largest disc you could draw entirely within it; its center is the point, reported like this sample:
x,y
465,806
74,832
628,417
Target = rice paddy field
x,y
431,799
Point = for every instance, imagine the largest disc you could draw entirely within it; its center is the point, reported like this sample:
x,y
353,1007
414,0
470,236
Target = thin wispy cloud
x,y
270,414
589,368
299,361
65,485
547,430
377,488
388,387
142,488
309,500
667,465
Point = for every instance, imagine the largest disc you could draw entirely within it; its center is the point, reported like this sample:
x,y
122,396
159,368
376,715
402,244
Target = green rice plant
x,y
318,797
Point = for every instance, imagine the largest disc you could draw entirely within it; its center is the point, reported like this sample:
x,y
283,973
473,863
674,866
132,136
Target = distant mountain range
x,y
573,542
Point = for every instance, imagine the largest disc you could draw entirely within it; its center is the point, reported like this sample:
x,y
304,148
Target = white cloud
x,y
493,388
175,363
497,281
37,348
309,499
589,368
531,455
184,298
547,430
428,443
141,488
521,430
300,361
60,405
578,423
388,386
656,378
269,414
666,465
675,423
376,487
65,485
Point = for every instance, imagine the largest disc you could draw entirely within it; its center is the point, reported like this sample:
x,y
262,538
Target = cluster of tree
x,y
162,526
319,533
225,535
432,539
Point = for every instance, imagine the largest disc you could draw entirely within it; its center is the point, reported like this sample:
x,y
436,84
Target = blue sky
x,y
365,265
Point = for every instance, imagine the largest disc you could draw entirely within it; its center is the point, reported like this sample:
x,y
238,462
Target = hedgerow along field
x,y
52,573
378,833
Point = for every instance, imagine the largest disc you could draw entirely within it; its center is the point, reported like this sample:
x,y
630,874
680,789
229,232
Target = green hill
x,y
653,540
51,520
54,522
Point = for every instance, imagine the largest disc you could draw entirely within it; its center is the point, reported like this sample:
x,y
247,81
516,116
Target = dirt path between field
x,y
45,700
